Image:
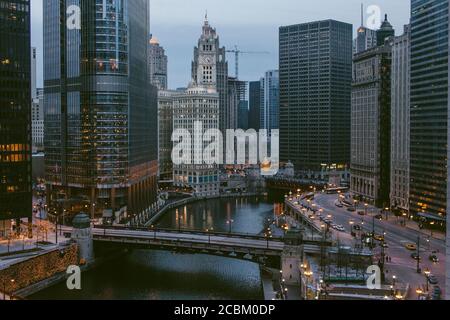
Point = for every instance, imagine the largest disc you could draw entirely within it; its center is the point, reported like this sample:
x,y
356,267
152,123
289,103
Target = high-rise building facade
x,y
315,91
33,73
210,69
270,103
100,109
365,39
400,120
202,107
254,112
237,91
198,104
37,108
15,113
370,125
165,130
157,61
37,121
429,109
243,115
447,258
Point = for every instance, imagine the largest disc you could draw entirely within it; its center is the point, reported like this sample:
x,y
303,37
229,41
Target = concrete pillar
x,y
82,234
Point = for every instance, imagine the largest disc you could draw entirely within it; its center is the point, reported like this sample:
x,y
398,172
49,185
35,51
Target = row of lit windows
x,y
13,147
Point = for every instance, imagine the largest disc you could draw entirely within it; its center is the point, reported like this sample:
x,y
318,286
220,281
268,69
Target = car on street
x,y
378,237
379,217
384,245
416,257
433,280
351,209
411,246
357,228
339,205
361,212
434,258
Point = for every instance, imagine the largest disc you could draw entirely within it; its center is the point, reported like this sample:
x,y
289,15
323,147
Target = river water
x,y
152,274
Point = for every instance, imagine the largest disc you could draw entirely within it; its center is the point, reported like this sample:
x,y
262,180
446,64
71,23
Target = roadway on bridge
x,y
231,241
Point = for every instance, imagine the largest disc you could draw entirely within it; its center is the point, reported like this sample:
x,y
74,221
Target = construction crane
x,y
238,52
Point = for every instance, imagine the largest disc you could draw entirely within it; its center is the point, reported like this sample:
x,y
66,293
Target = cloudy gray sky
x,y
249,24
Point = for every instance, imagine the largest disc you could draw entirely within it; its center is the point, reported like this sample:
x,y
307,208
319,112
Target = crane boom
x,y
238,52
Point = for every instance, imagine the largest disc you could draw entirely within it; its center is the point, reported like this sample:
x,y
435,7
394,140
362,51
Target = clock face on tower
x,y
207,60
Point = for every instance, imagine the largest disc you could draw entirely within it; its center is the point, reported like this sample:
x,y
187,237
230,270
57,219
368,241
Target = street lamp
x,y
419,293
4,288
180,218
351,227
230,224
154,232
427,273
209,230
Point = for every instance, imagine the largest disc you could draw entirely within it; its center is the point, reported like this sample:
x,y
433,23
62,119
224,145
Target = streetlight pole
x,y
230,223
179,222
56,231
427,274
154,232
418,255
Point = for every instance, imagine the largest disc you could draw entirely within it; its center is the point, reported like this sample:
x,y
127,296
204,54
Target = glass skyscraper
x,y
15,112
254,113
100,108
315,90
270,104
429,108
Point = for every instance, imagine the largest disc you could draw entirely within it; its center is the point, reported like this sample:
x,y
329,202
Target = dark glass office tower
x,y
429,108
15,111
101,110
315,91
254,113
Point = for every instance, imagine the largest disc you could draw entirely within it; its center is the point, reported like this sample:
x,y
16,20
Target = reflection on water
x,y
248,215
152,274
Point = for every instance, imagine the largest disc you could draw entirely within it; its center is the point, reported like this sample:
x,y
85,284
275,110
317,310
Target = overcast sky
x,y
250,24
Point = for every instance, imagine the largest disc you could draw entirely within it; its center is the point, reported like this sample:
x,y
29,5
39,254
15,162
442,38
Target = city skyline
x,y
175,24
116,161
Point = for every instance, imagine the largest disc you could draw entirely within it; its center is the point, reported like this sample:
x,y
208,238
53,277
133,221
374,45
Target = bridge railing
x,y
191,232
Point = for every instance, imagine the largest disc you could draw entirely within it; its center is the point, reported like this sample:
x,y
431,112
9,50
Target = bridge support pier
x,y
82,234
291,260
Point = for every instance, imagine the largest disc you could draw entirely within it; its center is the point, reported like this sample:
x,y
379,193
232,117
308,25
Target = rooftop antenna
x,y
362,14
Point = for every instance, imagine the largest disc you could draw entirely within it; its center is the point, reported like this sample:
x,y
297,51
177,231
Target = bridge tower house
x,y
82,234
292,257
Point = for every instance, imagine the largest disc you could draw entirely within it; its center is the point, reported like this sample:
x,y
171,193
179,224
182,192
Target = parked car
x,y
379,217
339,205
434,258
351,209
416,257
378,237
411,246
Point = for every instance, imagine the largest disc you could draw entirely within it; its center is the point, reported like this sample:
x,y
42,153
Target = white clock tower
x,y
210,68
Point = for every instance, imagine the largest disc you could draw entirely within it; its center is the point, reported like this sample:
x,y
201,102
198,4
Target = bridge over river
x,y
240,246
